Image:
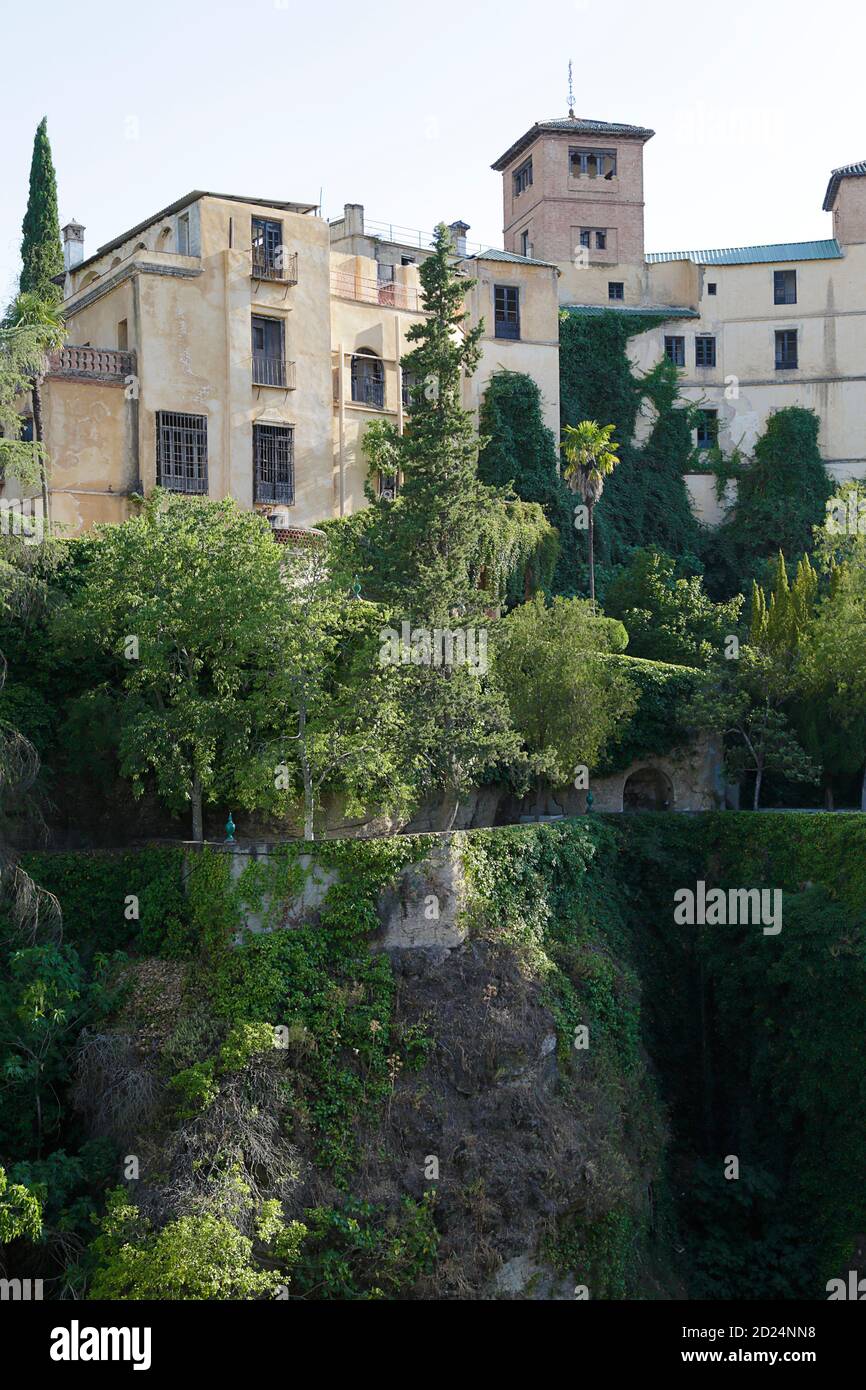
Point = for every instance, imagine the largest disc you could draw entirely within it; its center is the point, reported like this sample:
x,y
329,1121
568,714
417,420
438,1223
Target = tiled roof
x,y
577,125
493,254
756,255
670,311
847,171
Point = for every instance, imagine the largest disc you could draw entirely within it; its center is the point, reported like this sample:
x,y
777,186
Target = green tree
x,y
566,700
41,251
185,599
669,617
834,689
33,327
591,457
20,1211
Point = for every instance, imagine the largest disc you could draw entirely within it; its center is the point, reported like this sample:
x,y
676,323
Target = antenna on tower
x,y
570,91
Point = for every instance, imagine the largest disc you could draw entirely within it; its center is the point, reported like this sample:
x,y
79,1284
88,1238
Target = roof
x,y
493,254
185,202
670,311
756,255
572,125
847,171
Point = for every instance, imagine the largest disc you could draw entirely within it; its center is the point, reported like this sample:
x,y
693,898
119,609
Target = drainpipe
x,y
341,419
399,374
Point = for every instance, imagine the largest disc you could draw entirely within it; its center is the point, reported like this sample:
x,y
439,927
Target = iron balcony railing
x,y
368,392
280,265
273,371
345,285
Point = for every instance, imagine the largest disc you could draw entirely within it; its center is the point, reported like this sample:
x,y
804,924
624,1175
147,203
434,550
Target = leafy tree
x,y
566,701
592,457
20,1211
41,251
33,327
185,598
834,687
202,1257
669,617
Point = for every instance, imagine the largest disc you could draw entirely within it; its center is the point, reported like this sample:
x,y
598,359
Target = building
x,y
232,346
752,328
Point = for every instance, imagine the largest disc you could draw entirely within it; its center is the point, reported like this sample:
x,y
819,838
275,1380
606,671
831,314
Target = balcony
x,y
280,266
96,364
389,293
273,371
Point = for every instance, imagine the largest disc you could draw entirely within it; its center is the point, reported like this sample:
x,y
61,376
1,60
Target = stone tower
x,y
572,193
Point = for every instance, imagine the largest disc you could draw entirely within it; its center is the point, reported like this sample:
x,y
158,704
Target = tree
x,y
41,251
333,704
759,739
669,617
20,1211
566,701
43,321
835,670
185,599
32,328
592,457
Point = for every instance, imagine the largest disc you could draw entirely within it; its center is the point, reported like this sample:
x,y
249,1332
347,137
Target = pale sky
x,y
403,108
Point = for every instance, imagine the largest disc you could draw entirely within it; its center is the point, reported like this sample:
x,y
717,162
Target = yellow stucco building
x,y
238,347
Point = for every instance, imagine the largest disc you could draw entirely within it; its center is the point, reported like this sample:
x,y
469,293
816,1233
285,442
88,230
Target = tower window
x,y
711,287
675,350
585,237
786,349
524,242
615,289
601,241
592,164
705,351
708,429
784,287
523,177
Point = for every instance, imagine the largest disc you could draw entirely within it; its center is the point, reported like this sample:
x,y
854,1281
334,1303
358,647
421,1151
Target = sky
x,y
403,107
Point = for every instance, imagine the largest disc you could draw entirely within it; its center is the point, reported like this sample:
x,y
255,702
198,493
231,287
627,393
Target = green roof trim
x,y
829,250
657,311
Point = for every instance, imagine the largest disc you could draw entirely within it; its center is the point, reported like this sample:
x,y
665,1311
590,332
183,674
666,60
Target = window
x,y
25,433
711,287
524,242
274,463
181,451
408,381
786,349
601,241
708,429
368,379
389,485
267,245
615,289
183,234
269,357
592,164
522,177
784,287
122,336
506,311
675,351
584,237
407,260
705,351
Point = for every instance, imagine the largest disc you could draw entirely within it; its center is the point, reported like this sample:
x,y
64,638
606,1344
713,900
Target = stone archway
x,y
648,789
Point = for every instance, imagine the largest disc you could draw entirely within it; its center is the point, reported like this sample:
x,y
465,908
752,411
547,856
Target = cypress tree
x,y
41,252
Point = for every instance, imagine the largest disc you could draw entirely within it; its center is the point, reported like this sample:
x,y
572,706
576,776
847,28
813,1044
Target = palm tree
x,y
40,321
592,457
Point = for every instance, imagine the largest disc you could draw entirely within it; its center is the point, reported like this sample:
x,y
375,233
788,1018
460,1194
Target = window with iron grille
x,y
705,350
274,463
368,379
615,289
267,243
523,177
786,349
389,485
708,429
711,287
506,311
784,287
269,354
181,451
675,350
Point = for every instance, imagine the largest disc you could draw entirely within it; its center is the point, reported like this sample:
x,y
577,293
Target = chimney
x,y
458,232
73,244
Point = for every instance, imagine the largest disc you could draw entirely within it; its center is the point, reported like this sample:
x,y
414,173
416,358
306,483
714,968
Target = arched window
x,y
368,379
